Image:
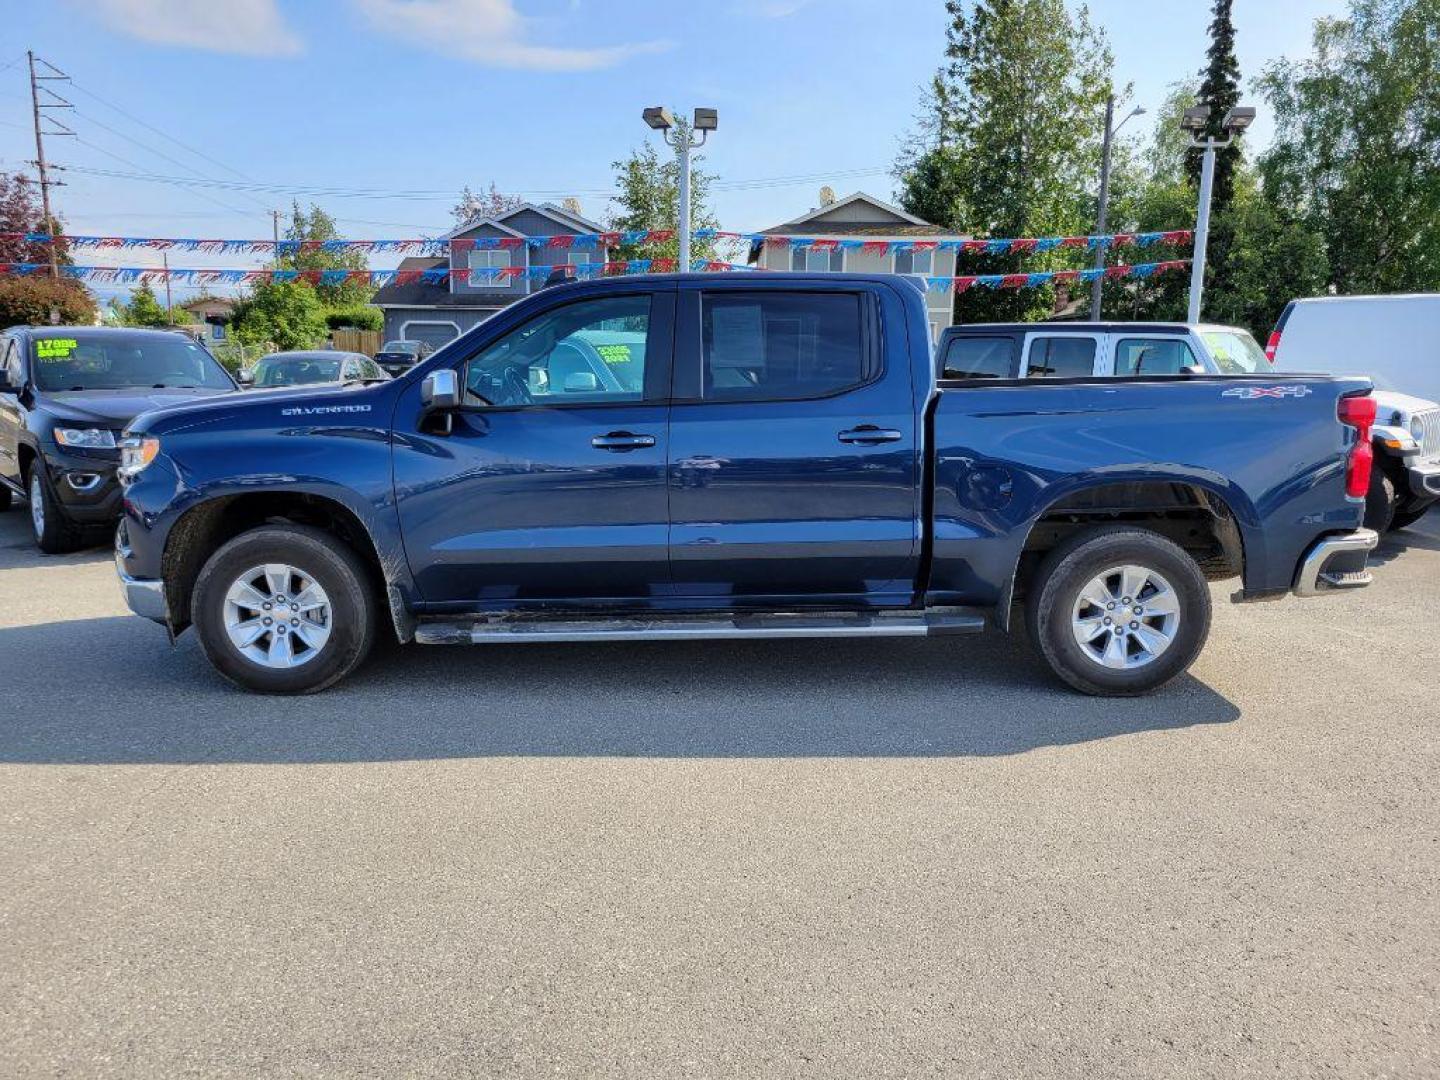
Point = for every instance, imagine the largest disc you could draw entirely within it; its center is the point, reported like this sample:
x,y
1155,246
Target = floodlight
x,y
706,119
1195,118
659,118
1239,118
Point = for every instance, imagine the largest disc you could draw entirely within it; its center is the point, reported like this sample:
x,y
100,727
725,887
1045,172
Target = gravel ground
x,y
898,858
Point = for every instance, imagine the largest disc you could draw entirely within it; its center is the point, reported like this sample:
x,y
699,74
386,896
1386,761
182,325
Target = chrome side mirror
x,y
441,389
245,378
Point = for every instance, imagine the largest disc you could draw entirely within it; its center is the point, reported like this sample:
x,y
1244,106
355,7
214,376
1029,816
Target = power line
x,y
430,194
151,127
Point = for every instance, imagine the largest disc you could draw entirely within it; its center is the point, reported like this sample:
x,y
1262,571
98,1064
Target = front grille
x,y
1430,437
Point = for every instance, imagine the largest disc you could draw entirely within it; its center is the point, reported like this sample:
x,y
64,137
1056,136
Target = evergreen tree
x,y
1219,89
143,309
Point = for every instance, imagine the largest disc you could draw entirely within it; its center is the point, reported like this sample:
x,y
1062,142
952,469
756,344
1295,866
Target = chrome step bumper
x,y
513,629
1336,562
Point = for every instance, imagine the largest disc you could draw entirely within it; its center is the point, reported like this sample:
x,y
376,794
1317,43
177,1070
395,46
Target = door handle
x,y
869,435
621,440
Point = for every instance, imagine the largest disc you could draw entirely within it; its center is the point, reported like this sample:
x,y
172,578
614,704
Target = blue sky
x,y
537,95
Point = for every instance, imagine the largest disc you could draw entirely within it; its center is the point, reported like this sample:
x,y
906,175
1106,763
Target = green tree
x,y
143,308
316,226
287,314
1014,141
1219,89
363,317
1357,127
650,199
28,301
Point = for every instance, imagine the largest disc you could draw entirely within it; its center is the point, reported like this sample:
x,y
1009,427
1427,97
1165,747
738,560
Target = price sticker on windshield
x,y
55,348
614,354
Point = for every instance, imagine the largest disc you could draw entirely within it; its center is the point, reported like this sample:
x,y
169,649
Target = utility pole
x,y
275,228
41,167
1102,217
165,262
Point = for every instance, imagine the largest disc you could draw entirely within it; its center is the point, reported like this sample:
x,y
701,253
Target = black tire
x,y
1380,501
55,533
1070,567
1403,519
352,610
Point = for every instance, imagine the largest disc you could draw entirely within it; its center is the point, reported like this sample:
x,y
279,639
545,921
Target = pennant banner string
x,y
439,247
580,271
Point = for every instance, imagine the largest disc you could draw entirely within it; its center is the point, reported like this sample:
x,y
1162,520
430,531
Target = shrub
x,y
29,300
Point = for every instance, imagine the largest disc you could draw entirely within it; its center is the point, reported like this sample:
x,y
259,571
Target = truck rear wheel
x,y
1118,611
284,609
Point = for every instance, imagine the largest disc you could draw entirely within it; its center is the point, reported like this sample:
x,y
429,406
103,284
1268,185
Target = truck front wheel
x,y
1118,611
284,609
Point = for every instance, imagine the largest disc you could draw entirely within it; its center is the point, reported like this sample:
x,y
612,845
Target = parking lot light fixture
x,y
684,141
1194,121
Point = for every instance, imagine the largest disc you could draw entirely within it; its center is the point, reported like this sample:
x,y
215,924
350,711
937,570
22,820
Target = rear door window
x,y
1061,356
1152,356
979,358
776,346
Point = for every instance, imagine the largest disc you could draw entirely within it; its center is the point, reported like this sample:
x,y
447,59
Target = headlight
x,y
136,452
87,438
1417,429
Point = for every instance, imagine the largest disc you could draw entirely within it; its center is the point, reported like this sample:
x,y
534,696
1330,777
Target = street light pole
x,y
684,141
1102,217
1195,121
1202,231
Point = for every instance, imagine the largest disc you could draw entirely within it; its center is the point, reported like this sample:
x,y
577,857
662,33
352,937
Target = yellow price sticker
x,y
614,354
55,348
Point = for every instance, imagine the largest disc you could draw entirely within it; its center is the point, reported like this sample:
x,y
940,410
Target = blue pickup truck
x,y
757,456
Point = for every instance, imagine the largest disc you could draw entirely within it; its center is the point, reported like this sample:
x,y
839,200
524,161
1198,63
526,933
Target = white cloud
x,y
491,32
251,27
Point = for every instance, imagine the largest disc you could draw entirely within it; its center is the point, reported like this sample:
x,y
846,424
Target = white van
x,y
1396,341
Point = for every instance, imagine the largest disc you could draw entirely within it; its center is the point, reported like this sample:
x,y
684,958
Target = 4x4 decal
x,y
1250,393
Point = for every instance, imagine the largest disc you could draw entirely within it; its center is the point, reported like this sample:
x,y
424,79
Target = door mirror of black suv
x,y
441,390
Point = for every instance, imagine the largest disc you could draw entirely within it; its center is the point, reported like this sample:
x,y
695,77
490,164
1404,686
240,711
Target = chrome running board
x,y
513,628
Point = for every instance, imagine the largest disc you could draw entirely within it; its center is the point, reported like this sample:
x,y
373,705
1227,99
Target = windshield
x,y
122,361
401,346
1235,352
296,370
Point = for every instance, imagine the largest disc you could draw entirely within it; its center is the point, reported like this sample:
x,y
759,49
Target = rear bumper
x,y
1336,562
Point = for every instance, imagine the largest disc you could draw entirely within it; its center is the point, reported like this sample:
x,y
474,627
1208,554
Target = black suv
x,y
66,394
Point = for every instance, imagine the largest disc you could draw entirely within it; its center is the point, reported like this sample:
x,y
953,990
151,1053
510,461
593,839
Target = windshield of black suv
x,y
123,361
1236,352
411,347
281,370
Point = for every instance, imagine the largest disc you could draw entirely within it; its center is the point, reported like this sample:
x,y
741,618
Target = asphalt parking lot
x,y
751,859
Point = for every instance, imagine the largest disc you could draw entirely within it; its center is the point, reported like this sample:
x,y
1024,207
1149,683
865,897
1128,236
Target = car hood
x,y
1388,402
116,408
273,402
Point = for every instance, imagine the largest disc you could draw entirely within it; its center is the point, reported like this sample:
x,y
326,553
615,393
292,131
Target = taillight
x,y
1272,346
1359,413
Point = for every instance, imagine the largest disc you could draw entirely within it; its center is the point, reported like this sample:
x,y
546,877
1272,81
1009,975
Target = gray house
x,y
865,231
437,311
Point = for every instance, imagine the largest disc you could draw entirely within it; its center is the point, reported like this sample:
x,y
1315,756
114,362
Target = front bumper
x,y
1336,562
144,596
1424,479
85,485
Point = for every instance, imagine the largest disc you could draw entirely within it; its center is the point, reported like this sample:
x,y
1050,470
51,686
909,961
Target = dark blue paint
x,y
743,504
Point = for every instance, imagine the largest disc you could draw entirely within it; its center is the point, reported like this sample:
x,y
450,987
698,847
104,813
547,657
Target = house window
x,y
915,262
581,257
482,263
808,260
